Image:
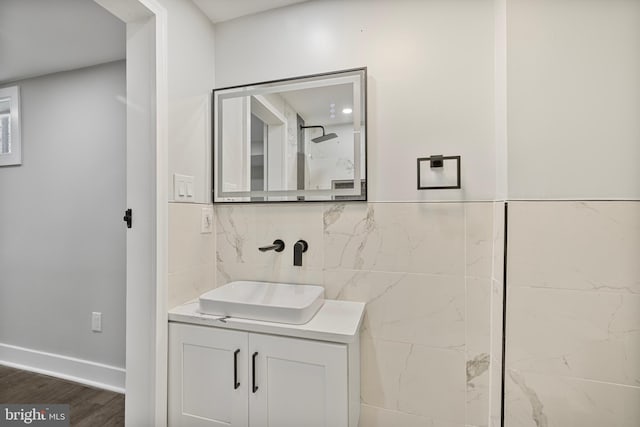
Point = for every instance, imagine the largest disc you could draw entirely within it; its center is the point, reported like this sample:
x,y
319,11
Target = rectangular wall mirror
x,y
10,143
298,139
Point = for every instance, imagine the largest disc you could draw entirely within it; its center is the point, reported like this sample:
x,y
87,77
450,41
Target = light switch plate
x,y
96,321
207,220
183,188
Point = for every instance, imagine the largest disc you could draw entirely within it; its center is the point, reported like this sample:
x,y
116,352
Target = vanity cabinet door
x,y
207,376
297,383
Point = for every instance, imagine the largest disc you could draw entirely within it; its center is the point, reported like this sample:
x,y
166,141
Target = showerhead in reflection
x,y
325,136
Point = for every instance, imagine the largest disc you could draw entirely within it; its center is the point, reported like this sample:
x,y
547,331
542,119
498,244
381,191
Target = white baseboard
x,y
69,368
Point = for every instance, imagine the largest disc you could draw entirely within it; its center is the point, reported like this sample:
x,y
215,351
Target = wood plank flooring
x,y
89,406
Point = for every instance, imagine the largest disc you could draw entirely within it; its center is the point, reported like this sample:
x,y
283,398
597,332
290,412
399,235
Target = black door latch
x,y
128,217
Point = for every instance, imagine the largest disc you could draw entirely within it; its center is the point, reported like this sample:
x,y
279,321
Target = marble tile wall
x,y
426,272
496,315
191,254
431,274
573,326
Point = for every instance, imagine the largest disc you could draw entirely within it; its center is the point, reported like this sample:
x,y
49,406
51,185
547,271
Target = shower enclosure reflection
x,y
301,139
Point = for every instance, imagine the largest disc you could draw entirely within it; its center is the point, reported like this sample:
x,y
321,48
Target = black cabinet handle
x,y
253,371
236,384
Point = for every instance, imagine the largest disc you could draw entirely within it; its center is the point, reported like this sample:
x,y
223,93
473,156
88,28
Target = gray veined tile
x,y
477,367
592,335
372,416
187,246
411,308
575,245
495,368
498,241
414,379
528,401
190,283
398,237
479,238
332,213
535,400
232,229
230,271
478,389
478,315
191,254
241,230
478,347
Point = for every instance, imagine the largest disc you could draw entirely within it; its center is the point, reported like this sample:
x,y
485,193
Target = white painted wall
x,y
573,99
431,79
62,239
190,58
500,104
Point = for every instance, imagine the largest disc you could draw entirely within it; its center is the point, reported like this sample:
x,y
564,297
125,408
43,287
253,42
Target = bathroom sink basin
x,y
270,302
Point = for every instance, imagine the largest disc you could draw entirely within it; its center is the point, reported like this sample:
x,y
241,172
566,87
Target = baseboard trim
x,y
68,368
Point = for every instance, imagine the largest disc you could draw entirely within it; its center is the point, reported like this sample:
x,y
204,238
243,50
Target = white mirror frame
x,y
15,156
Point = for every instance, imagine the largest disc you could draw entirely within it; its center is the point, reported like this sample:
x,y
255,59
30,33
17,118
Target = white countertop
x,y
336,321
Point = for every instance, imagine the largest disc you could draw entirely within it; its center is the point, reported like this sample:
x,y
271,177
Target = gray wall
x,y
62,239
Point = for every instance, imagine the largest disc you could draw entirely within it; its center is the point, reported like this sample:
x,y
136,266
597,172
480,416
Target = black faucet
x,y
298,249
278,246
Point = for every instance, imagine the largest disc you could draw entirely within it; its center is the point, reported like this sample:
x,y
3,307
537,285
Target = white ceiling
x,y
314,104
224,10
39,37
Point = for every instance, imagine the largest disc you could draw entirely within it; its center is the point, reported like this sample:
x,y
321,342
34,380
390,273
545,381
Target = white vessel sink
x,y
270,302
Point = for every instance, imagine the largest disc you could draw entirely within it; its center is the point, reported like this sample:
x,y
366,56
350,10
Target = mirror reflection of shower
x,y
325,136
259,139
291,140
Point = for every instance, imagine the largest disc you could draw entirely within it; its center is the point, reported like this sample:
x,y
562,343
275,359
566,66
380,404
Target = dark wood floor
x,y
89,406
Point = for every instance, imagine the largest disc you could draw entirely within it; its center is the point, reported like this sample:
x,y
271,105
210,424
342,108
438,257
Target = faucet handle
x,y
278,246
304,245
298,249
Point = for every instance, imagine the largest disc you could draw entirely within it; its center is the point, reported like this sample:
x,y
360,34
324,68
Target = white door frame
x,y
147,196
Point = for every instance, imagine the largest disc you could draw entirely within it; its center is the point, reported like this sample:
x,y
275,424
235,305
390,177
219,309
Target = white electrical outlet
x,y
207,220
96,321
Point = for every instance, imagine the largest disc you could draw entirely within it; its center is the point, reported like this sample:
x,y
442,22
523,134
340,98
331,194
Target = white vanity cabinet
x,y
244,373
202,387
298,383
